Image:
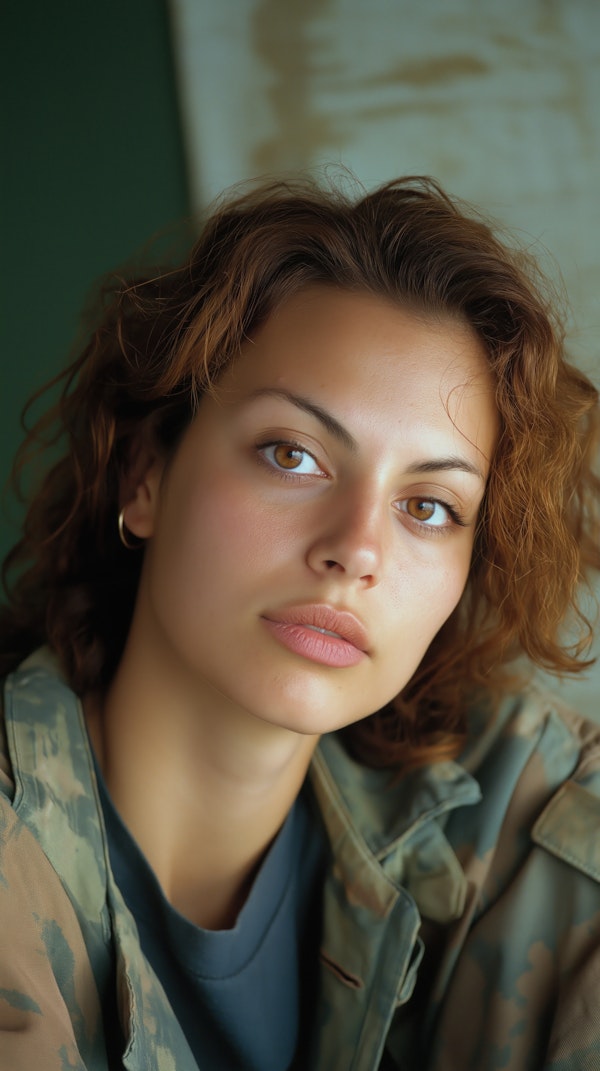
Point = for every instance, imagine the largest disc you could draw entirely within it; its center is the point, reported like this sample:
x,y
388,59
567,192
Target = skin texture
x,y
266,507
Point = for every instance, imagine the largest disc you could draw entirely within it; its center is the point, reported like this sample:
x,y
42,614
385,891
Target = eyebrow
x,y
445,464
436,464
327,420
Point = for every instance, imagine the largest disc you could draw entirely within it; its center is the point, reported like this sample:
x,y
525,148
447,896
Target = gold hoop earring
x,y
123,535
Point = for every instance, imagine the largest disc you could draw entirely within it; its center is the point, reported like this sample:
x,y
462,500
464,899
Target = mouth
x,y
320,633
325,631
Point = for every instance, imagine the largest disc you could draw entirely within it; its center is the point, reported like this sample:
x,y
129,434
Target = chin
x,y
313,718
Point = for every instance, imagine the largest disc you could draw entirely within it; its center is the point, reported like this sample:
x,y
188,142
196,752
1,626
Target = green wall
x,y
92,168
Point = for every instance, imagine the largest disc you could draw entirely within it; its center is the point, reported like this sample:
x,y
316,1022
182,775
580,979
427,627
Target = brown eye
x,y
422,509
431,514
287,457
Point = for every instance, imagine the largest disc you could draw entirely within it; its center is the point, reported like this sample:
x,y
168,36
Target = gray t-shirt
x,y
244,997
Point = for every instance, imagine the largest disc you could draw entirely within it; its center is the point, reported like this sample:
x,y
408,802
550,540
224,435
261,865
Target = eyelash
x,y
437,529
427,529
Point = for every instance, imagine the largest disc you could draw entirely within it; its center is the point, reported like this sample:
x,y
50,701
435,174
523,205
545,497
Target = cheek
x,y
223,528
451,588
453,580
425,596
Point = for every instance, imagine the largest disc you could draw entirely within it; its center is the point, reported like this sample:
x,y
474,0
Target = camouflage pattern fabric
x,y
461,914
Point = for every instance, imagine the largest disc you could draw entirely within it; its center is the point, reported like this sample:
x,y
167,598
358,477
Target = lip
x,y
296,628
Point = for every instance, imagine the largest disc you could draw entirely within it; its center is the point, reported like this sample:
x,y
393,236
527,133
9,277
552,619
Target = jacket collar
x,y
389,830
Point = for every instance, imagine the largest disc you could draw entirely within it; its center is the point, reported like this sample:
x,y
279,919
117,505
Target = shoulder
x,y
52,770
533,725
43,736
538,766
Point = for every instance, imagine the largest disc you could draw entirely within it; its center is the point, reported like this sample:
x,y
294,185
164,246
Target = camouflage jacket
x,y
461,916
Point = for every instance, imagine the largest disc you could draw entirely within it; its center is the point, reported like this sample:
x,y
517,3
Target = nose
x,y
351,539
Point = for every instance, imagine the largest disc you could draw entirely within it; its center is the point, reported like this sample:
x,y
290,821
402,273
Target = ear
x,y
140,492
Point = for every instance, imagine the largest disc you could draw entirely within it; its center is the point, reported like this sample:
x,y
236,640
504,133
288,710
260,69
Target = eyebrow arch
x,y
445,464
438,464
327,420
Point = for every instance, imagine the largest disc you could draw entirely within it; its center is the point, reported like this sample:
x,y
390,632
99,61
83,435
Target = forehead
x,y
328,310
371,363
323,328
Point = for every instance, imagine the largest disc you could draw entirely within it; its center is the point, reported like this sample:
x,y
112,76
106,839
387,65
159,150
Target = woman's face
x,y
314,529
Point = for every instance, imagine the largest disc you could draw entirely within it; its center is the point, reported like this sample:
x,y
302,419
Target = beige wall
x,y
498,99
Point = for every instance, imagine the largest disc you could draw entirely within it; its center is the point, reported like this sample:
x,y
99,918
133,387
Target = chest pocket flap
x,y
569,827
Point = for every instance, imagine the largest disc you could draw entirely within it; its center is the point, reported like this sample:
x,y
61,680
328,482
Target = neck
x,y
202,785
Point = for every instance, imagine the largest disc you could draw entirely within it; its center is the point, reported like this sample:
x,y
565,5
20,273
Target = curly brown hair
x,y
163,338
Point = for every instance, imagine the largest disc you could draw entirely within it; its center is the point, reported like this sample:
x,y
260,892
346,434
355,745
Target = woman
x,y
272,796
